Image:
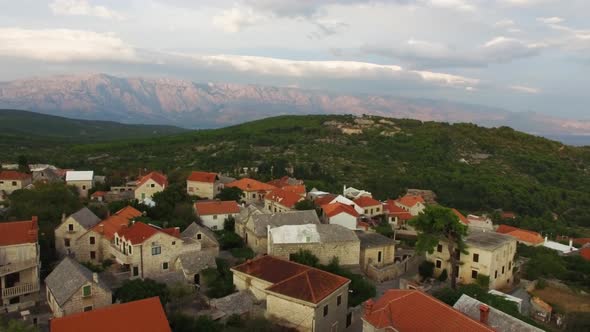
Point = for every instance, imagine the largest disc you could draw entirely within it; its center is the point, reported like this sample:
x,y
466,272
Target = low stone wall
x,y
393,271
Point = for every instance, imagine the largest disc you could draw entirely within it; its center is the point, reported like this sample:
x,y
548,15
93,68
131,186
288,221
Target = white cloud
x,y
550,20
524,3
504,23
236,19
525,89
62,45
83,8
461,5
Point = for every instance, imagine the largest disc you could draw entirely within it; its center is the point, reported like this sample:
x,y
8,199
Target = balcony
x,y
17,266
23,288
120,257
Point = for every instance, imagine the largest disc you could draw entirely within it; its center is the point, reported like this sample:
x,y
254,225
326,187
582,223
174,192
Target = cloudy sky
x,y
522,55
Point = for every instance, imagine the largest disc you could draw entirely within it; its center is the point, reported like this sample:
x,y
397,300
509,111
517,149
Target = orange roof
x,y
205,208
247,184
462,218
397,211
410,201
508,215
203,177
110,226
283,182
326,199
365,201
292,279
159,178
283,197
142,315
542,304
585,253
522,235
413,310
129,212
14,175
19,232
298,189
98,194
336,208
139,232
582,240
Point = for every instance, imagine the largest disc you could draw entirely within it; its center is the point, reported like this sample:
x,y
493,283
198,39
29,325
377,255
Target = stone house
x,y
489,254
142,315
523,236
479,223
202,250
14,180
325,241
72,288
19,265
279,200
203,184
371,207
46,173
253,190
82,180
396,216
340,214
412,204
353,193
376,250
297,296
213,214
71,228
150,184
255,229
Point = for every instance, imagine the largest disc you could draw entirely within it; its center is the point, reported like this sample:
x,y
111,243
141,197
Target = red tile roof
x,y
522,235
326,199
292,279
397,211
110,226
508,215
14,175
143,315
582,240
203,177
333,209
247,184
129,212
366,201
283,197
298,189
19,232
159,178
410,201
585,253
140,232
98,194
283,182
205,208
462,218
412,310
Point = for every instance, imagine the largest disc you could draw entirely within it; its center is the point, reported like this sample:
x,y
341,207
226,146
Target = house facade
x,y
71,228
213,214
297,296
279,200
83,291
375,250
340,214
253,190
82,180
412,204
14,180
149,184
371,207
19,265
203,184
489,254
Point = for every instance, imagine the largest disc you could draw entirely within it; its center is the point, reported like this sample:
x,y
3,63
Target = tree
x,y
438,224
230,194
229,224
137,289
426,270
304,204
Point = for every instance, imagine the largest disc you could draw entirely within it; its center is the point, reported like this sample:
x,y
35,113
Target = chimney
x,y
484,312
101,228
546,239
63,217
369,307
571,244
95,277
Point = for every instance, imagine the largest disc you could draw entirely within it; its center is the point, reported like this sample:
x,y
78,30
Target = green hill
x,y
29,126
470,167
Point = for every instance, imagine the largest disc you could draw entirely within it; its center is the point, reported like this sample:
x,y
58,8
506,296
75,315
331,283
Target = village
x,y
299,258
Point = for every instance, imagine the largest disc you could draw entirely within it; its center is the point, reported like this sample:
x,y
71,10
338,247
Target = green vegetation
x,y
219,282
444,275
242,253
137,289
230,194
437,224
304,205
184,323
426,270
14,325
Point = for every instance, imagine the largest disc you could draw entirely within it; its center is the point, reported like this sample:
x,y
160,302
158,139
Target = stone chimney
x,y
95,277
369,307
571,244
101,228
546,240
484,313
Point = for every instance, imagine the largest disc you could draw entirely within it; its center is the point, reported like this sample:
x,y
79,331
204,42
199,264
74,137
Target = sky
x,y
520,55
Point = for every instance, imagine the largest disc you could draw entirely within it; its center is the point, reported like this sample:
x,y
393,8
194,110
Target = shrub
x,y
443,276
243,253
426,270
229,224
483,281
305,257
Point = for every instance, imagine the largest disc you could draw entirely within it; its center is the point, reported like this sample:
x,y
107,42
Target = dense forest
x,y
472,168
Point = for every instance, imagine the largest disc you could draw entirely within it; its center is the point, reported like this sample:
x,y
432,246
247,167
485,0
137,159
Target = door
x,y
197,279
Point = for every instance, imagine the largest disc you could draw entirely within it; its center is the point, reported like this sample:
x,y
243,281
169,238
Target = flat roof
x,y
488,240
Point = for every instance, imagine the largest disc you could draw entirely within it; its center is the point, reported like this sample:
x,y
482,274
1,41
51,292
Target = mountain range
x,y
187,104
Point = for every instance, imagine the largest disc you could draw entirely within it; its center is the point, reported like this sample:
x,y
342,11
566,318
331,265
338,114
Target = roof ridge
x,y
313,297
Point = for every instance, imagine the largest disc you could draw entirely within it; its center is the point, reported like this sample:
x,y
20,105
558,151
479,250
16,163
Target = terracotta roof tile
x,y
412,310
159,178
522,235
19,232
98,194
298,189
292,279
205,208
283,197
247,184
326,199
462,218
140,232
410,201
14,175
397,211
129,212
110,226
585,253
143,315
582,240
336,208
365,201
203,177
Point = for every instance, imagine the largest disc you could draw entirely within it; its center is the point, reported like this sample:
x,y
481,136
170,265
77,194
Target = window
x,y
14,183
165,266
191,189
439,248
71,227
349,319
92,240
93,255
215,227
130,251
86,291
438,263
325,310
502,270
83,187
473,274
156,251
87,308
379,257
366,211
173,242
135,271
339,300
67,242
117,241
496,274
457,254
214,217
152,185
509,265
476,258
199,236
